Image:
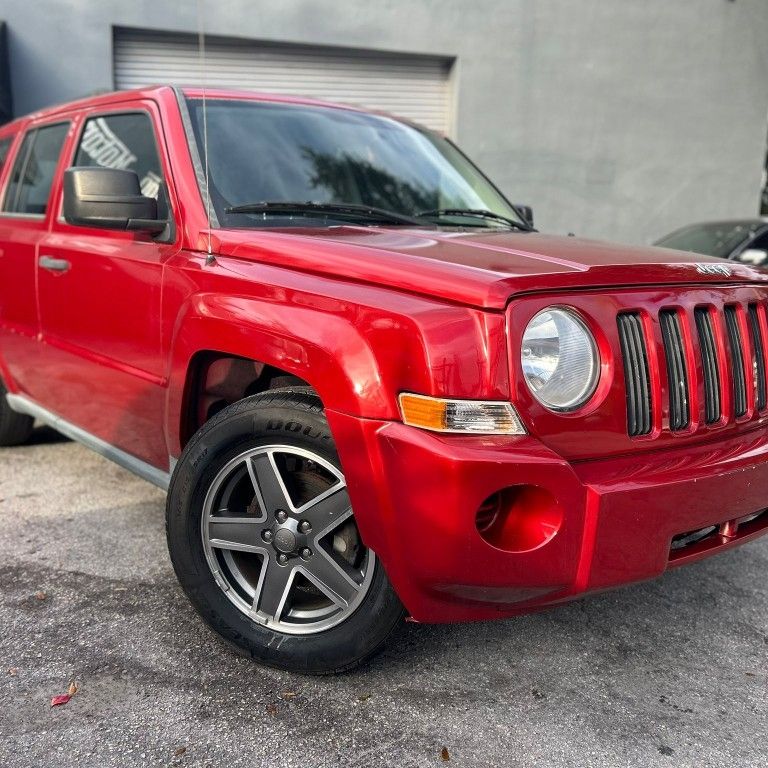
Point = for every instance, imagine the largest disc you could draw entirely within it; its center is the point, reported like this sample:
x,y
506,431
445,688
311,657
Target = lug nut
x,y
304,526
281,515
282,559
266,535
306,553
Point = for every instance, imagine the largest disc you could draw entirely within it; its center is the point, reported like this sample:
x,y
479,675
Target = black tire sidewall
x,y
296,419
15,428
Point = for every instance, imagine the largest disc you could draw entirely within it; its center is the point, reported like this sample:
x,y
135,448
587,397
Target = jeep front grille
x,y
677,369
635,354
736,361
711,363
757,342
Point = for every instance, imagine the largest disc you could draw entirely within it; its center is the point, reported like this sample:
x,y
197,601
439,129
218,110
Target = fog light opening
x,y
519,518
488,512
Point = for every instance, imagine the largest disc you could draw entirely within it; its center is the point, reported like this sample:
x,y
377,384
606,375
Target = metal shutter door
x,y
414,87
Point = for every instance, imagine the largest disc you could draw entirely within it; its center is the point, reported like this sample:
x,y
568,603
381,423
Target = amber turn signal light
x,y
478,417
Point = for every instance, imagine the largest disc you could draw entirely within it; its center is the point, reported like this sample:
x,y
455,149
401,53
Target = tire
x,y
263,541
15,428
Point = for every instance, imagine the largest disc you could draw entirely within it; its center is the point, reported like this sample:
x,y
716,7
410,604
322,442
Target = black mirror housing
x,y
108,198
526,212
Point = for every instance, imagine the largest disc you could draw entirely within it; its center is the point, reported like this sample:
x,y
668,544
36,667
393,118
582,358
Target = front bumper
x,y
416,495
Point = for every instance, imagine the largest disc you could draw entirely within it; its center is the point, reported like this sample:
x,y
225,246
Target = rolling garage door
x,y
414,87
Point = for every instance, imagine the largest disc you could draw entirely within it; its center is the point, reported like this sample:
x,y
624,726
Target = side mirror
x,y
526,212
754,256
109,198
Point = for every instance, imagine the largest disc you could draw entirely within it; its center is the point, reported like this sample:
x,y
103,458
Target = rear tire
x,y
15,428
264,543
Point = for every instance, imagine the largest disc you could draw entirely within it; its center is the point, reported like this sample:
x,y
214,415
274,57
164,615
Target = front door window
x,y
126,142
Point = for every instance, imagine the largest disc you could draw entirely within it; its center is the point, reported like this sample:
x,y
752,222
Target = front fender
x,y
357,346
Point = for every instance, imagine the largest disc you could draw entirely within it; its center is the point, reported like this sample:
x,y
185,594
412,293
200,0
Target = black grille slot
x,y
638,382
712,408
738,379
759,356
677,371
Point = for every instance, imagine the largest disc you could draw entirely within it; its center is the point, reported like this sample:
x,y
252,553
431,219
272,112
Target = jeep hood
x,y
481,269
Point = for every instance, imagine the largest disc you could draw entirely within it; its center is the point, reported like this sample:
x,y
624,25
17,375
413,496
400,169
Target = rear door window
x,y
5,145
18,169
33,171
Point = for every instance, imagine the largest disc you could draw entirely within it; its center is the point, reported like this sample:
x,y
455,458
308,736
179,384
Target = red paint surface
x,y
362,314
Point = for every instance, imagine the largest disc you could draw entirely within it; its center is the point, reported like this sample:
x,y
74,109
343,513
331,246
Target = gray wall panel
x,y
618,119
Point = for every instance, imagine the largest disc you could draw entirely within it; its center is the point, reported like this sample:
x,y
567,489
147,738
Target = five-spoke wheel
x,y
265,542
281,540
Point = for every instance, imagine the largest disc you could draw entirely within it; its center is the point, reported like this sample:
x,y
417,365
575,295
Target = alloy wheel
x,y
281,541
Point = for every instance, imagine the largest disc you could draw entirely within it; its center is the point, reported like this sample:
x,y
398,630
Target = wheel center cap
x,y
284,540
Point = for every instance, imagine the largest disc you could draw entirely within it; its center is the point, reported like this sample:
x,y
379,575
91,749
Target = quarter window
x,y
126,142
18,168
34,169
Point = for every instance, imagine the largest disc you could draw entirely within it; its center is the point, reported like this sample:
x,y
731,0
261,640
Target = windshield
x,y
718,239
272,152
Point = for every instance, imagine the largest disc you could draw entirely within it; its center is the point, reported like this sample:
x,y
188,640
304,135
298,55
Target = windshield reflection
x,y
261,151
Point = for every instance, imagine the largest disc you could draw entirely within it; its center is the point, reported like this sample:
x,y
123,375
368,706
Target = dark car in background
x,y
744,240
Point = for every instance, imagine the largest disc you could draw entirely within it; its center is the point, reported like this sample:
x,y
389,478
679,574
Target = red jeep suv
x,y
370,387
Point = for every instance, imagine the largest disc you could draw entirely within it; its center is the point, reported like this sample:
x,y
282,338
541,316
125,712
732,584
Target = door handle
x,y
54,265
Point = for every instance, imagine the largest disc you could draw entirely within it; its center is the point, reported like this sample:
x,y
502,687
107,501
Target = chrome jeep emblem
x,y
714,269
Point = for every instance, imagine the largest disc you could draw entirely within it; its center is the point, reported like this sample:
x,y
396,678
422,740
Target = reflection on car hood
x,y
479,268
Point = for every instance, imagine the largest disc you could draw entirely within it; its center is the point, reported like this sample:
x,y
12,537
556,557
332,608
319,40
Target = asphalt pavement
x,y
668,673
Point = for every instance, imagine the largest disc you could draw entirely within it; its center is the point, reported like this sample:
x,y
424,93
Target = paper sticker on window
x,y
104,147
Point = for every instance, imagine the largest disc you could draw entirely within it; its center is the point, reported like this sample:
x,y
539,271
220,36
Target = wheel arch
x,y
322,351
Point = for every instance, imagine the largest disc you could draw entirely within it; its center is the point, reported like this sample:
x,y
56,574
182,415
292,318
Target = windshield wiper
x,y
477,213
318,210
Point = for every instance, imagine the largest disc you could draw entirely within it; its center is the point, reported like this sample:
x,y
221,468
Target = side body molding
x,y
22,404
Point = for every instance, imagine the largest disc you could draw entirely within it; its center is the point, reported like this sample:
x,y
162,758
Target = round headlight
x,y
560,360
